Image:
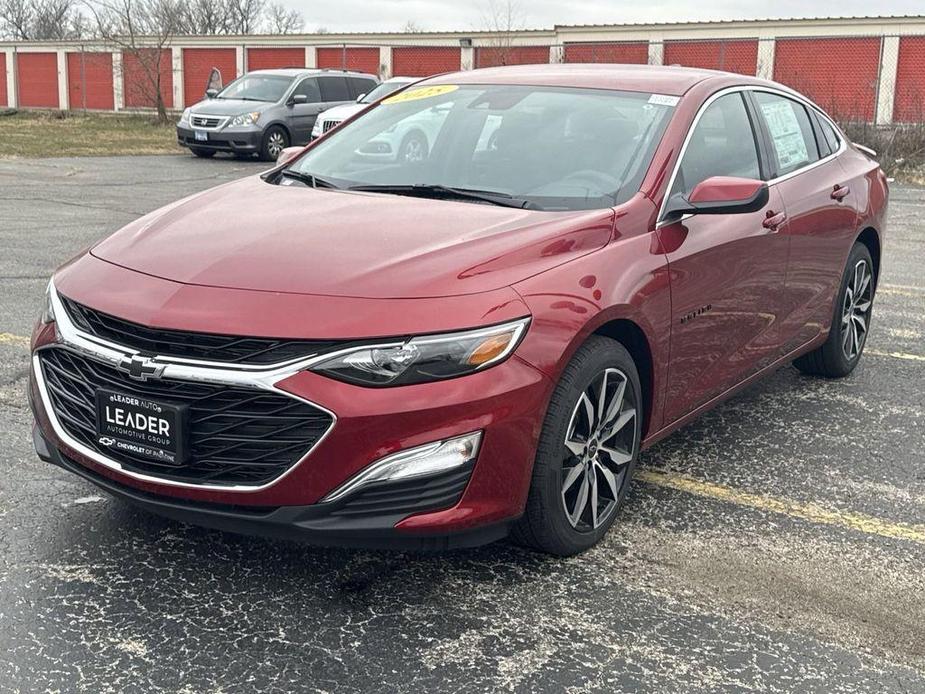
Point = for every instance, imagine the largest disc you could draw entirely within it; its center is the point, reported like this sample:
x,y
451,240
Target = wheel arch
x,y
631,335
871,239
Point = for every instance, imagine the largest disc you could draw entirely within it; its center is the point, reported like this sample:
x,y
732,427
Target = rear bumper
x,y
317,524
243,141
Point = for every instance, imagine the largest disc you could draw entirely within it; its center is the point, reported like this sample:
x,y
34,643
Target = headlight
x,y
316,129
184,117
48,313
422,359
246,118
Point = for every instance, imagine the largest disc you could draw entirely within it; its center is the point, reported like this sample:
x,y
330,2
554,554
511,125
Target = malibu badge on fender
x,y
142,427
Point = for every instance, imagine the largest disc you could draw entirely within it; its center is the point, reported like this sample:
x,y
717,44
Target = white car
x,y
335,116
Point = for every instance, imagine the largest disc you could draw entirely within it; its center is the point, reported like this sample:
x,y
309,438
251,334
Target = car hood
x,y
342,112
228,107
250,234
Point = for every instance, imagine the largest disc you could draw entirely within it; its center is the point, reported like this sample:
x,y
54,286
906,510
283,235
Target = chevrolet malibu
x,y
444,350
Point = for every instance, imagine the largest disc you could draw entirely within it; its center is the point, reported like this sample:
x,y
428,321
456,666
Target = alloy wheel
x,y
275,144
855,319
413,151
598,449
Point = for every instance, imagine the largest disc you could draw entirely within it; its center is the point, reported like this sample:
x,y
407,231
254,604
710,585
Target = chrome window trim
x,y
69,337
661,221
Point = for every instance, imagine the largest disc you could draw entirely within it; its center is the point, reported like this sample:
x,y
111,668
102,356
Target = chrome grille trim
x,y
206,122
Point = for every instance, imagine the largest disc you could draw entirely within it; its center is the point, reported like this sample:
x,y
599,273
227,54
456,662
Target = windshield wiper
x,y
437,191
311,180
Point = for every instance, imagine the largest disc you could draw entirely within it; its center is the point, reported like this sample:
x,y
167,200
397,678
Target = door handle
x,y
773,220
840,192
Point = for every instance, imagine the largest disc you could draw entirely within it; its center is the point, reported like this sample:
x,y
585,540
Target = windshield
x,y
383,89
553,148
256,88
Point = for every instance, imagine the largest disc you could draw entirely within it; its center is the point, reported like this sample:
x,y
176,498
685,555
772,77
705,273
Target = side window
x,y
828,134
792,141
722,144
309,87
360,85
334,89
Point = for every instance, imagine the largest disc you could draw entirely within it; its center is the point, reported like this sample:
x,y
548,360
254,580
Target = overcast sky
x,y
468,15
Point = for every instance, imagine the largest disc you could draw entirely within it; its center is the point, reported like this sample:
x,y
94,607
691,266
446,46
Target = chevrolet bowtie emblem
x,y
140,368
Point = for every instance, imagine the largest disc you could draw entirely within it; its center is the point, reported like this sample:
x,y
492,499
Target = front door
x,y
302,116
727,271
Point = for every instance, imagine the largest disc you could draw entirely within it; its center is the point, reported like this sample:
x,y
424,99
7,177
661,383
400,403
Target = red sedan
x,y
433,351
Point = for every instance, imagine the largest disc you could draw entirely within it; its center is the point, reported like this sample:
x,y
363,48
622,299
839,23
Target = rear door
x,y
302,116
727,271
821,217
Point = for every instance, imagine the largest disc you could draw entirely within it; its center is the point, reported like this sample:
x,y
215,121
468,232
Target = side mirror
x,y
721,195
360,98
298,99
288,154
211,93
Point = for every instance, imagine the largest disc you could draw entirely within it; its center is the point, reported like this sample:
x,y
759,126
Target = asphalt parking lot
x,y
776,545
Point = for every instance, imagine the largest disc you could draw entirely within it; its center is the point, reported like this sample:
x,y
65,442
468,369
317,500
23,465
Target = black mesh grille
x,y
236,435
191,345
413,496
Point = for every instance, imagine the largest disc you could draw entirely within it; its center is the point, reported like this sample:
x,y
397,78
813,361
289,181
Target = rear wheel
x,y
586,453
841,352
275,140
203,153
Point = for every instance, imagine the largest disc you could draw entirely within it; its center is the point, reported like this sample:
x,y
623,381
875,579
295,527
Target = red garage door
x,y
732,56
909,104
359,59
636,52
269,58
89,81
838,74
421,61
139,73
4,99
491,56
198,63
37,75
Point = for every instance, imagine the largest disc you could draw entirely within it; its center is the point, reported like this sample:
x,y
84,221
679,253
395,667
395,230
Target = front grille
x,y
231,349
413,496
329,124
206,121
235,435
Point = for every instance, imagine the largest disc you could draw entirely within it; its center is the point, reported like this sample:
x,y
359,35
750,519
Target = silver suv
x,y
265,111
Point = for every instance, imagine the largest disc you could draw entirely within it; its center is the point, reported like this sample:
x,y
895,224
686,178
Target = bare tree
x,y
411,27
203,17
282,20
244,15
503,18
142,30
36,20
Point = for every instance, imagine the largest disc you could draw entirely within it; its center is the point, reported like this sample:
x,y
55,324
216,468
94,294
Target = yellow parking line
x,y
895,355
11,339
805,511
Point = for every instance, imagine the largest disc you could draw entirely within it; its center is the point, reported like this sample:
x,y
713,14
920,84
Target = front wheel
x,y
586,453
841,352
413,148
275,140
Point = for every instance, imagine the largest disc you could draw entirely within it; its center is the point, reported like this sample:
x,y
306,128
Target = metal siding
x,y
135,90
4,99
634,52
491,56
37,75
359,59
731,56
421,61
198,63
909,101
269,58
840,74
90,85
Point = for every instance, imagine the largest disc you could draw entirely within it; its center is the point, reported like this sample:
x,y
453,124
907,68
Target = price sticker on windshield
x,y
664,100
421,93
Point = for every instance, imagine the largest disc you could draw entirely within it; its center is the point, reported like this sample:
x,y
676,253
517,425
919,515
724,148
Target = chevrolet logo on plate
x,y
140,368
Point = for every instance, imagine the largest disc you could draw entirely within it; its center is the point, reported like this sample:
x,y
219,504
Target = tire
x,y
551,521
851,315
413,148
203,153
275,140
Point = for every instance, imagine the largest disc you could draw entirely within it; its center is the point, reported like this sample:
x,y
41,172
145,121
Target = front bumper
x,y
239,141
